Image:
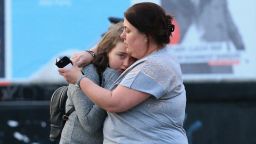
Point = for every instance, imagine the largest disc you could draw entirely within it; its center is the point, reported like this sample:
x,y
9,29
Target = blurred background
x,y
214,41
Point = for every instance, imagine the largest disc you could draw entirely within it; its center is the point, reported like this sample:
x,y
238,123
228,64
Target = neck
x,y
151,48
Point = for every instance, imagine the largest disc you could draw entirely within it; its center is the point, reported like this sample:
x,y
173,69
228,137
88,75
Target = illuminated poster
x,y
214,39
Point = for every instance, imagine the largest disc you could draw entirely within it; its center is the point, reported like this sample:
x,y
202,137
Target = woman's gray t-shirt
x,y
158,120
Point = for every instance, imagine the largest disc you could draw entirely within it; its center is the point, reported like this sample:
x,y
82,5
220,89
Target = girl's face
x,y
135,42
119,59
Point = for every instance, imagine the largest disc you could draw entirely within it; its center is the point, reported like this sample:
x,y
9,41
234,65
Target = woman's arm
x,y
83,58
119,100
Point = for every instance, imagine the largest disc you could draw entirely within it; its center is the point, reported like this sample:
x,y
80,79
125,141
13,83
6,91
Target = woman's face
x,y
119,59
135,41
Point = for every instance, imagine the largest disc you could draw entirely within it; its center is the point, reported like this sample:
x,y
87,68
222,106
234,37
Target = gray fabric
x,y
158,120
85,124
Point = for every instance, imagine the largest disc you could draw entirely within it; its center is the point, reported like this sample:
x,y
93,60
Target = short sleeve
x,y
148,77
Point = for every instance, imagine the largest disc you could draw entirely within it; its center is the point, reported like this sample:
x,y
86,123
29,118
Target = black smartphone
x,y
63,62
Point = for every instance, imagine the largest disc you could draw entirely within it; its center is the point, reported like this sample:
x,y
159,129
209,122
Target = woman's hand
x,y
82,58
71,74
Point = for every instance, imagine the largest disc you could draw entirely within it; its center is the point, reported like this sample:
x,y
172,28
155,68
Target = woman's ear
x,y
145,38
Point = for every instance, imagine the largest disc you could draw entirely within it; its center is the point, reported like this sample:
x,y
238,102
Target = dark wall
x,y
216,113
24,122
221,122
221,113
2,45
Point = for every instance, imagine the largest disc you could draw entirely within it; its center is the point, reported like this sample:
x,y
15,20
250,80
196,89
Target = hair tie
x,y
171,27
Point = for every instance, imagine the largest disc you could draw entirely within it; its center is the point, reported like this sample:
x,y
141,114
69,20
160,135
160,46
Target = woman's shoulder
x,y
163,57
161,61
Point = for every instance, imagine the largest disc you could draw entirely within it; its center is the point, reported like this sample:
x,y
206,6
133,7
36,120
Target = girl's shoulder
x,y
89,69
91,73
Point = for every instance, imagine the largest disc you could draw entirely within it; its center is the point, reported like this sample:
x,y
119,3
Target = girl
x,y
85,124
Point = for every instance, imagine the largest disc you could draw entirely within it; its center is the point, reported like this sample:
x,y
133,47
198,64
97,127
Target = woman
x,y
147,103
84,125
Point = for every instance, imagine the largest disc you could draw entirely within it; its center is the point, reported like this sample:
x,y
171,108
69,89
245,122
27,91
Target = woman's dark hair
x,y
150,19
106,44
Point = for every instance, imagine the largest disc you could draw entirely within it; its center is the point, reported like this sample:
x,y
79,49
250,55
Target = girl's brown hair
x,y
106,44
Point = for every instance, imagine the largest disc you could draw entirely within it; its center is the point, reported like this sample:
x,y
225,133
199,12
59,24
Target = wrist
x,y
92,53
77,84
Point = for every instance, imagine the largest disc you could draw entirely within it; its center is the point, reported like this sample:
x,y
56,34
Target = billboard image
x,y
213,40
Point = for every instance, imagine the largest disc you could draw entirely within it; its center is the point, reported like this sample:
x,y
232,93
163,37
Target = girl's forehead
x,y
126,23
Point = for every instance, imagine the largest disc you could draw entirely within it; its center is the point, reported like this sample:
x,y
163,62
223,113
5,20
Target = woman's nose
x,y
123,35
